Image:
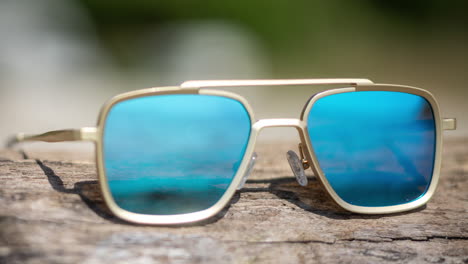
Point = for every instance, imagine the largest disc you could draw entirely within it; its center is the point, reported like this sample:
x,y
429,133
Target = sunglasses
x,y
172,155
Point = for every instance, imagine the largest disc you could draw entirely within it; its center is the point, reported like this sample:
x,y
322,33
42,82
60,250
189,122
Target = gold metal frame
x,y
200,87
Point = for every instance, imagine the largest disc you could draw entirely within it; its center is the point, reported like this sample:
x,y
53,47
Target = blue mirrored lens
x,y
375,148
173,154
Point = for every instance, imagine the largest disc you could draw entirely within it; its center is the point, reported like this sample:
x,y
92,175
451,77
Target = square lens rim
x,y
176,218
311,156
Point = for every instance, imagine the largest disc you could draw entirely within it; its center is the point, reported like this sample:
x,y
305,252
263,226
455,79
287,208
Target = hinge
x,y
89,134
449,124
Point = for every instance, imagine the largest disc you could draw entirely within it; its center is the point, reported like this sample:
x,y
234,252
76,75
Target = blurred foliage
x,y
289,30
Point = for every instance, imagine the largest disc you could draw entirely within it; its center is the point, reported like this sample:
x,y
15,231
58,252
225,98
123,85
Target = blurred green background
x,y
60,60
304,38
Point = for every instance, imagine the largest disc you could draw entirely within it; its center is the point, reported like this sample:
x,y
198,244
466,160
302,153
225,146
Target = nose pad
x,y
297,167
248,171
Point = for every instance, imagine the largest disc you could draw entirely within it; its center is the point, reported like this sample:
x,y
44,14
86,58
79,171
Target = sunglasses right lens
x,y
375,148
173,154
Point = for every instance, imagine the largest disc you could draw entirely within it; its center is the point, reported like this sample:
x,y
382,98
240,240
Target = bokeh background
x,y
61,60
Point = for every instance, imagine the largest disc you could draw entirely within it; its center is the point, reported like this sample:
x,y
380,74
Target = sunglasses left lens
x,y
375,148
173,154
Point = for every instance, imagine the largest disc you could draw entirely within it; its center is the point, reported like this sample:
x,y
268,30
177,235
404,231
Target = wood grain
x,y
51,211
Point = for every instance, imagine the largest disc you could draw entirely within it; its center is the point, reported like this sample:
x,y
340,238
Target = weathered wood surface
x,y
52,212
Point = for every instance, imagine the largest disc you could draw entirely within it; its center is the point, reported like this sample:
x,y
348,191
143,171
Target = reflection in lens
x,y
375,148
173,154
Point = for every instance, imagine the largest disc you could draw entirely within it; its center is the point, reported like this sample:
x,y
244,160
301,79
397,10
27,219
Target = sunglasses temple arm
x,y
81,134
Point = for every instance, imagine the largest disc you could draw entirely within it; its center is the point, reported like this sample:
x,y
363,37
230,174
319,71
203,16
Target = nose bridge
x,y
278,122
297,164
